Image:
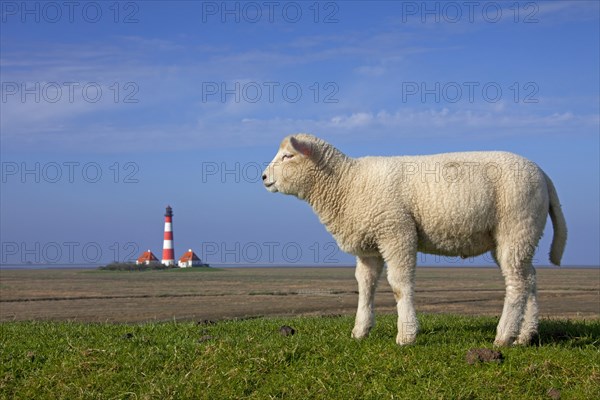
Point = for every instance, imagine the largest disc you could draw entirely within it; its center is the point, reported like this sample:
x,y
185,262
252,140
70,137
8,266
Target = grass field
x,y
250,359
81,334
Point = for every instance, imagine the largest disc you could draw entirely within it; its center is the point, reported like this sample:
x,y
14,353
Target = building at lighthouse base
x,y
147,258
189,259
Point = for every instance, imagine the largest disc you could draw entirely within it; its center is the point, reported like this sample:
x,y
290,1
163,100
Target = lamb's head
x,y
295,166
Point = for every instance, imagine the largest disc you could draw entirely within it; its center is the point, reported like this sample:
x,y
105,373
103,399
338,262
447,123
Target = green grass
x,y
250,359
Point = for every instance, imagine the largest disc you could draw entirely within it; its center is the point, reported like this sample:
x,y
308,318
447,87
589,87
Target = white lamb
x,y
386,209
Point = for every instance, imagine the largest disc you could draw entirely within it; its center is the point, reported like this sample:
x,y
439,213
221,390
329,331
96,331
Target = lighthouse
x,y
168,256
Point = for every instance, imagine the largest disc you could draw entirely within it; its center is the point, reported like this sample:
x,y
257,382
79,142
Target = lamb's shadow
x,y
571,333
568,333
475,328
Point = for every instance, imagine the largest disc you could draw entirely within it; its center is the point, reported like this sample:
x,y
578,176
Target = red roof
x,y
147,256
189,255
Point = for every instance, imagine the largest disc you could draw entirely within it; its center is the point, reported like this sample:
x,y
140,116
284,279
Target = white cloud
x,y
368,70
233,129
441,122
355,120
565,11
171,105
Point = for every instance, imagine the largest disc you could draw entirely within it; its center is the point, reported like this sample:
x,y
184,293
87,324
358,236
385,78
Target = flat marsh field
x,y
217,294
216,334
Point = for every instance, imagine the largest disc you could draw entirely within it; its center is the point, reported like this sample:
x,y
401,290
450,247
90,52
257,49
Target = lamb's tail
x,y
559,225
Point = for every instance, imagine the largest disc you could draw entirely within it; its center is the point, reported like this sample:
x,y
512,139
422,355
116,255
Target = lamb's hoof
x,y
405,340
407,333
504,342
360,333
526,340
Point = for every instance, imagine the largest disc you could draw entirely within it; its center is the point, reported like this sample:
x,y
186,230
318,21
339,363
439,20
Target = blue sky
x,y
110,111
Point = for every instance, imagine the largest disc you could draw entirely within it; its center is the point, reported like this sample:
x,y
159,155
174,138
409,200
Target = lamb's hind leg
x,y
519,276
529,328
368,270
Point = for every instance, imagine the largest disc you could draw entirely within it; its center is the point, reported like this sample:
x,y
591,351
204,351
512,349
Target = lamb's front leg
x,y
401,260
401,280
368,270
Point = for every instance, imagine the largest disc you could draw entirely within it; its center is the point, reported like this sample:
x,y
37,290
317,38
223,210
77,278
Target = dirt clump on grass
x,y
475,356
205,338
286,330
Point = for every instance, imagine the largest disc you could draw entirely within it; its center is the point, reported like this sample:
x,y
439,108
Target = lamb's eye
x,y
286,156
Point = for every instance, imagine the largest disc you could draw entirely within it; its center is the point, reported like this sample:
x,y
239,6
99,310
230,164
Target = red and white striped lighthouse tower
x,y
168,256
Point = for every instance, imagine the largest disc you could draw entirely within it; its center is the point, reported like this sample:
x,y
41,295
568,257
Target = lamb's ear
x,y
302,147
